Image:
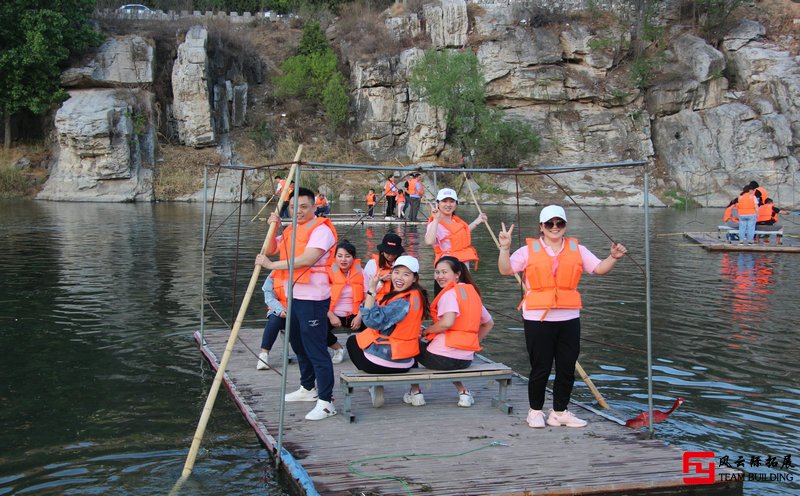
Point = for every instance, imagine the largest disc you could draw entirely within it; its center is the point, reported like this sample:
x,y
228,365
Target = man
x,y
323,208
416,190
280,183
390,192
767,219
311,298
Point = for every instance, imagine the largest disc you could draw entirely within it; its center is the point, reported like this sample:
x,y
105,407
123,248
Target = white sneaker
x,y
565,418
302,394
535,419
415,399
338,355
322,410
263,361
376,395
465,399
387,218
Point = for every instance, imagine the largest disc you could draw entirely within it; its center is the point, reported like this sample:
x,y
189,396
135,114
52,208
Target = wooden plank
x,y
445,450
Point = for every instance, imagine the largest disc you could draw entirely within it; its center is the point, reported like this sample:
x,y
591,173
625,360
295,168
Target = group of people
x,y
753,209
402,201
383,305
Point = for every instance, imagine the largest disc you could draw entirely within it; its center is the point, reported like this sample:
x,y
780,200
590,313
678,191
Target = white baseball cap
x,y
407,261
446,193
551,211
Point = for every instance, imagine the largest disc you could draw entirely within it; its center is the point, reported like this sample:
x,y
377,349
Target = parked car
x,y
135,9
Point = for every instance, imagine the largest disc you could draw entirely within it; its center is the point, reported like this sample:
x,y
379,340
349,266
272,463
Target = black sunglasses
x,y
560,224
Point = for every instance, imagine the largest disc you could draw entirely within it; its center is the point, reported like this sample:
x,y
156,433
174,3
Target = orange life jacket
x,y
390,188
385,286
545,290
372,198
401,198
404,339
320,202
763,192
747,204
303,274
279,290
765,212
412,187
463,334
460,241
355,279
729,214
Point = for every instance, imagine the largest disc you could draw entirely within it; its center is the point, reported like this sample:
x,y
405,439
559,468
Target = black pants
x,y
362,363
548,342
390,203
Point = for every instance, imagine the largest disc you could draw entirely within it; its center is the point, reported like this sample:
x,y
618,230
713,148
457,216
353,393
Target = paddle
x,y
262,208
584,376
212,394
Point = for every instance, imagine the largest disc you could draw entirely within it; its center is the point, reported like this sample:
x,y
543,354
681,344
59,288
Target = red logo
x,y
696,470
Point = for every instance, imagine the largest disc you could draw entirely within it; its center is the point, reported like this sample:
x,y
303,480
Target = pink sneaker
x,y
565,418
535,419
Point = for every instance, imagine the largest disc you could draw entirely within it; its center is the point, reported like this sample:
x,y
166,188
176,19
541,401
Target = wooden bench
x,y
727,231
493,371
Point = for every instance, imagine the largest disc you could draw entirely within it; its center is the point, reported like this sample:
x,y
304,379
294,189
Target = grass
x,y
181,171
16,183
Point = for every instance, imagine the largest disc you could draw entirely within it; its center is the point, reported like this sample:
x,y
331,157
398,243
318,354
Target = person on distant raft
x,y
460,322
323,208
747,205
552,266
390,193
372,199
767,219
448,234
311,298
401,203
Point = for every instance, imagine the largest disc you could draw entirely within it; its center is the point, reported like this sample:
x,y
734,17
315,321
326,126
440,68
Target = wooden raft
x,y
717,242
478,450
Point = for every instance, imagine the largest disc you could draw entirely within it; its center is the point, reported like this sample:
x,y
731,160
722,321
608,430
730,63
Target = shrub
x,y
504,143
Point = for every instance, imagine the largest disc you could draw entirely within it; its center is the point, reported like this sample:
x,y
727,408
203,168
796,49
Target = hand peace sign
x,y
504,236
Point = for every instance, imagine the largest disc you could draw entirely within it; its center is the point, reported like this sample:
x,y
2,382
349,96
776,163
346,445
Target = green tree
x,y
37,39
454,82
313,74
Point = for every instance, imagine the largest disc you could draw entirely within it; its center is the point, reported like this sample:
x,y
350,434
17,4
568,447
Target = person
x,y
347,291
416,190
552,266
314,241
390,192
767,219
759,192
731,220
323,208
281,183
372,199
275,299
401,203
747,215
381,263
460,322
391,340
448,234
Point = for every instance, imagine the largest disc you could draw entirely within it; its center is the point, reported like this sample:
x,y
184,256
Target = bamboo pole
x,y
212,395
262,208
584,376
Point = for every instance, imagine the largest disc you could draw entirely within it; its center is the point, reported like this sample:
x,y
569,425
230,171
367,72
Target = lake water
x,y
103,384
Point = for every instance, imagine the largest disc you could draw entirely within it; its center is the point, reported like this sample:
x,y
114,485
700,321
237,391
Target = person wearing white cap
x,y
552,266
448,234
391,340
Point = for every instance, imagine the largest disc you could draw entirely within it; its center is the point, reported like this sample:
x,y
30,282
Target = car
x,y
135,9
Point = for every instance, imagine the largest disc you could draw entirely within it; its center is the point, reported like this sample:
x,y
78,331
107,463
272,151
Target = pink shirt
x,y
318,287
447,304
519,260
441,233
344,307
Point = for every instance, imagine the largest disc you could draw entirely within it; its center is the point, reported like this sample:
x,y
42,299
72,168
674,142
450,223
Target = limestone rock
x,y
121,61
744,32
406,25
101,152
447,23
190,88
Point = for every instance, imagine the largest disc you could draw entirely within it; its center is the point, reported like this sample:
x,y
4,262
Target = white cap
x,y
551,211
407,261
446,193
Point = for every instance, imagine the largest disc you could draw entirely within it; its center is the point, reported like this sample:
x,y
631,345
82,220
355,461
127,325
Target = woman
x,y
748,212
448,234
460,322
401,204
347,293
381,264
391,340
552,267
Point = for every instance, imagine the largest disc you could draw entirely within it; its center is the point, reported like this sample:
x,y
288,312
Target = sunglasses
x,y
560,224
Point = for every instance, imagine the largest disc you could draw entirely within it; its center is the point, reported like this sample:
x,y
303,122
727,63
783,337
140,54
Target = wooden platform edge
x,y
289,464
